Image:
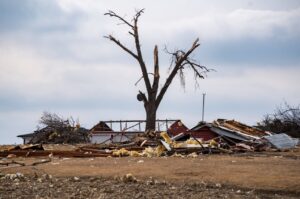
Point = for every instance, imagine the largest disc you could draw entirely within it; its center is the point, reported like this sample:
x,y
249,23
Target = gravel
x,y
127,186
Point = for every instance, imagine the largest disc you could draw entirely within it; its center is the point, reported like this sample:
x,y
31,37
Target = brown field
x,y
261,175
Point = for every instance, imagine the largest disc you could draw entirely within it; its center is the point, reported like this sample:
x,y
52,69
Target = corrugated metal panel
x,y
282,141
228,134
247,136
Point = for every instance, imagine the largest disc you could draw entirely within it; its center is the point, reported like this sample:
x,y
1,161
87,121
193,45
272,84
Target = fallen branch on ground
x,y
41,162
23,164
12,162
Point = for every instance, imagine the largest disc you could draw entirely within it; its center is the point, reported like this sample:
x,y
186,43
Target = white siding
x,y
106,138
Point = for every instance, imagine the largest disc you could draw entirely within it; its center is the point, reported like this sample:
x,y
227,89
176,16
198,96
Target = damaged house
x,y
227,129
104,132
230,130
101,133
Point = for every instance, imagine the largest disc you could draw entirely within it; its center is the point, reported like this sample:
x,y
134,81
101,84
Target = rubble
x,y
13,176
57,135
128,178
56,130
103,187
76,178
226,136
10,156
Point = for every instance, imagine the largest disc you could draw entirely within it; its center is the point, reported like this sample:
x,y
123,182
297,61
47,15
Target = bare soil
x,y
262,175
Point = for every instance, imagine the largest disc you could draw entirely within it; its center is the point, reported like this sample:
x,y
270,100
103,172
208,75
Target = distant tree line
x,y
285,119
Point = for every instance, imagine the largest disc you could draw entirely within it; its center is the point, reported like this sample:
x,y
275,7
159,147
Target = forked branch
x,y
113,14
135,33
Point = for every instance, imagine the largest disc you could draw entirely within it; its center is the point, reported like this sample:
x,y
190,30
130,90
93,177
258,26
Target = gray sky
x,y
53,57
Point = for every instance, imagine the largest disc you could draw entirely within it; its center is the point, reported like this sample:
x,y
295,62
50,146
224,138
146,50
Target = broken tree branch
x,y
156,71
136,83
110,37
140,56
180,58
135,34
41,162
12,162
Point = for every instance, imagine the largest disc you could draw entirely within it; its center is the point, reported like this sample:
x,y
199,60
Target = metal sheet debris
x,y
282,141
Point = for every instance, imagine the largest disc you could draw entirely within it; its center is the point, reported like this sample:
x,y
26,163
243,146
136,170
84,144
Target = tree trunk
x,y
150,116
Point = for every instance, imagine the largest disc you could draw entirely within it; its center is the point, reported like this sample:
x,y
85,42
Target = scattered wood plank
x,y
41,162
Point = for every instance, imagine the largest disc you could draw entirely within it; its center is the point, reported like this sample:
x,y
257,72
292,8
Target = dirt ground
x,y
262,175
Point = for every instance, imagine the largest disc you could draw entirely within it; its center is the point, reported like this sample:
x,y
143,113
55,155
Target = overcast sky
x,y
53,57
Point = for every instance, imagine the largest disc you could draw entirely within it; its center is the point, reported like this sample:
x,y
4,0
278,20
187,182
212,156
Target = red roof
x,y
177,128
101,126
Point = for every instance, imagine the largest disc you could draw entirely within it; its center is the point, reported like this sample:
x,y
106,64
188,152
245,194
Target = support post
x,y
203,105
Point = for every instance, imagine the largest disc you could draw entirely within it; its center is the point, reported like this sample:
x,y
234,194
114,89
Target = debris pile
x,y
58,135
56,130
220,136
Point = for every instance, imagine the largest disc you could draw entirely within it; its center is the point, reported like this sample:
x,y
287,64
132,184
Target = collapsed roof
x,y
232,129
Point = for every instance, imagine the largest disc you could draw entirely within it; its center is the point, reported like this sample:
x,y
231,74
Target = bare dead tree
x,y
53,120
180,60
286,119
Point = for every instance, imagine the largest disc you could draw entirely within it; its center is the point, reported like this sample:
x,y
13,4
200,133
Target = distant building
x,y
102,133
227,129
31,137
26,137
127,129
230,130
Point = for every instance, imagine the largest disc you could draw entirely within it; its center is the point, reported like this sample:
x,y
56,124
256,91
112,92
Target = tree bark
x,y
150,115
